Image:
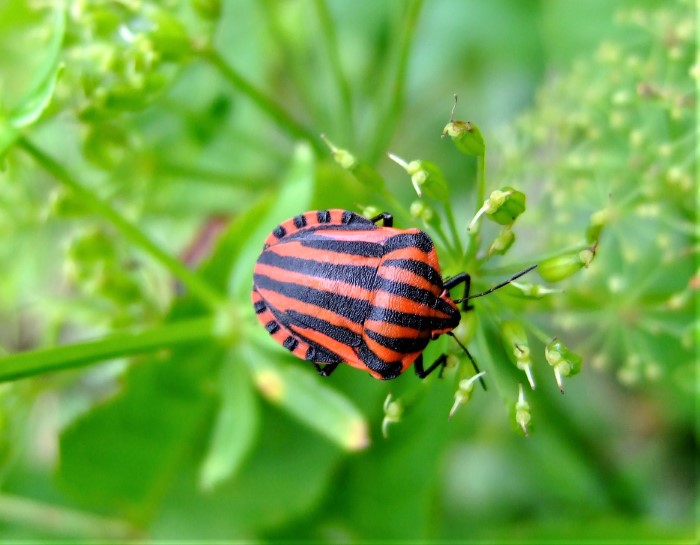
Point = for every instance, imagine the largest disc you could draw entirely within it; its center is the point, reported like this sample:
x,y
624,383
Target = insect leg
x,y
327,368
459,279
422,373
387,219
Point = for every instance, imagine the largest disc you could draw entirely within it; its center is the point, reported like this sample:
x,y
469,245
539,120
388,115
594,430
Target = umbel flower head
x,y
611,148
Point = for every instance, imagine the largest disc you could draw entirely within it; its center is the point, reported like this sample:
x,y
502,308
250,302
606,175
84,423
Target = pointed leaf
x,y
308,399
236,425
293,197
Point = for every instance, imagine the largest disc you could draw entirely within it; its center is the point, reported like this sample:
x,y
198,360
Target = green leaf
x,y
292,197
123,455
33,104
232,242
308,399
235,428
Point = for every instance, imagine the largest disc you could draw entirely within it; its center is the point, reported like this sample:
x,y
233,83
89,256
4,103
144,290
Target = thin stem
x,y
265,103
474,234
480,180
452,224
396,95
579,246
59,520
26,364
194,284
331,47
202,175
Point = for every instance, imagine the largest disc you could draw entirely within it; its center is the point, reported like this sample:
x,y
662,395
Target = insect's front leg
x,y
459,279
387,219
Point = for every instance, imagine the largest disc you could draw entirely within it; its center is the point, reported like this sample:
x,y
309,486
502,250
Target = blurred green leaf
x,y
308,399
285,480
122,455
33,104
235,428
292,197
232,242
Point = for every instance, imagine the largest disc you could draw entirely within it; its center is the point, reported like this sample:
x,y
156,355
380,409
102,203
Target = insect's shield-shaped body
x,y
332,286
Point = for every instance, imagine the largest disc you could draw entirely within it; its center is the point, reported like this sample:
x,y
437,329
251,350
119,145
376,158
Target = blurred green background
x,y
147,149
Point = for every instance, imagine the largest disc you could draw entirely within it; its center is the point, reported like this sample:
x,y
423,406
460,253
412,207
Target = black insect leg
x,y
422,373
387,219
459,279
327,368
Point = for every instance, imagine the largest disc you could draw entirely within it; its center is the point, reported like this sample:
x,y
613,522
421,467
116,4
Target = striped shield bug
x,y
332,286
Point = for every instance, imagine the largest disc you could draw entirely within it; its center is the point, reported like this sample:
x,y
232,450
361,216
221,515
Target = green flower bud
x,y
63,204
393,411
564,362
362,172
118,286
91,246
426,177
562,267
422,211
464,392
503,206
506,205
523,416
517,347
169,36
466,136
502,242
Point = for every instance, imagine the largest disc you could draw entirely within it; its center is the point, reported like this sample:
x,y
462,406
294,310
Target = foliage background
x,y
125,133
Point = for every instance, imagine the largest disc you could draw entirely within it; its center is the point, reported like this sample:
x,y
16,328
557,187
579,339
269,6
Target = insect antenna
x,y
498,286
471,359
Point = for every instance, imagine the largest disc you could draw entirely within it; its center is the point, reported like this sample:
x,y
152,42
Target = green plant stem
x,y
480,181
214,177
26,364
452,224
396,92
474,235
331,47
265,103
514,267
196,285
61,521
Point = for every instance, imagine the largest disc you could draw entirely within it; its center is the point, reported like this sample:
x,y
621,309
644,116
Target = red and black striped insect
x,y
332,286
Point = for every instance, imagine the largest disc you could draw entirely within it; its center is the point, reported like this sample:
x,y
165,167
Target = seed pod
x,y
426,177
518,348
464,391
564,362
466,135
505,205
563,266
523,417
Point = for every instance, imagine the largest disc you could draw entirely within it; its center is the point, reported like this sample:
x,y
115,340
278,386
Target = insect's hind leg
x,y
386,218
327,369
459,279
422,373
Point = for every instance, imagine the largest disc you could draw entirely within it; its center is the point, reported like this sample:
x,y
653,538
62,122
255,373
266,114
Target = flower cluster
x,y
610,148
